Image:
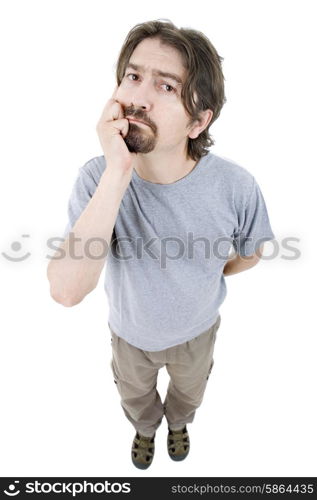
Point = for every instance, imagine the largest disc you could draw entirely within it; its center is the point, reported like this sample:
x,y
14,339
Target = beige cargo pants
x,y
135,374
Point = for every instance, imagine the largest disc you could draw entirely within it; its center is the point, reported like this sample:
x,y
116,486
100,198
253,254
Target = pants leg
x,y
189,366
135,373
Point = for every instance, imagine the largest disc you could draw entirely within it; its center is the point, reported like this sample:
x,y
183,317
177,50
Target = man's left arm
x,y
239,263
248,238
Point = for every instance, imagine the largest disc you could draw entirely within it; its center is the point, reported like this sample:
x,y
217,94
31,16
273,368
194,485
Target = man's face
x,y
153,98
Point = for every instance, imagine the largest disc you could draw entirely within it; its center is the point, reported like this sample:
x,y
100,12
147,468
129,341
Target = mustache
x,y
139,115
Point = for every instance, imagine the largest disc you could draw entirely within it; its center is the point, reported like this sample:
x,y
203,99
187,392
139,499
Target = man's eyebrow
x,y
158,72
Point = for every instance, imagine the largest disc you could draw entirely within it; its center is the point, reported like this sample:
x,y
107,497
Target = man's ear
x,y
201,124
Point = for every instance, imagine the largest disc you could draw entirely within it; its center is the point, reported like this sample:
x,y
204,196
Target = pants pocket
x,y
115,376
210,368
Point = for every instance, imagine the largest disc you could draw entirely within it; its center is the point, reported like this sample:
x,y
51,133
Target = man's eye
x,y
170,91
170,86
131,74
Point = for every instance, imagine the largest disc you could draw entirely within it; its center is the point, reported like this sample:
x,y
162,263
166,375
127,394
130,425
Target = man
x,y
164,211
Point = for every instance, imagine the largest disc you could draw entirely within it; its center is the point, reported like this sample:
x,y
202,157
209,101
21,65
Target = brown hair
x,y
204,72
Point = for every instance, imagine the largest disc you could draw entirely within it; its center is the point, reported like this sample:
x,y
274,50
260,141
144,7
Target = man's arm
x,y
239,263
71,279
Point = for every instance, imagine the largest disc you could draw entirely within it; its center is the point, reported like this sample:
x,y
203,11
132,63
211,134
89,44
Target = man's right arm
x,y
71,279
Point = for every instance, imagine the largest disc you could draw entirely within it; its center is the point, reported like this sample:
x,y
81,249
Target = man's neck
x,y
163,168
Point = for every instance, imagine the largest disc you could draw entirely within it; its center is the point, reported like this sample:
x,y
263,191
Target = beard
x,y
138,141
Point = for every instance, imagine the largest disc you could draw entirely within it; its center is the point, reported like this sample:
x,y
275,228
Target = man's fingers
x,y
112,109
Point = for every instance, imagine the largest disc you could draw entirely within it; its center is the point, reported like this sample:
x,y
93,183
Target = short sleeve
x,y
254,227
82,192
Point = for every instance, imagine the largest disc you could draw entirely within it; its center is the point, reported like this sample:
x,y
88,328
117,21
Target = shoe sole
x,y
179,458
141,466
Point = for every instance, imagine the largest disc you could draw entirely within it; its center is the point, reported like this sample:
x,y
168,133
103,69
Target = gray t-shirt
x,y
164,269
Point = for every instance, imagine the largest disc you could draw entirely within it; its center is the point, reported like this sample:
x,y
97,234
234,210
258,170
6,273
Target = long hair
x,y
204,72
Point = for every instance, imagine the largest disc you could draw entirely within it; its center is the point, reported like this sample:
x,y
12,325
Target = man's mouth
x,y
136,121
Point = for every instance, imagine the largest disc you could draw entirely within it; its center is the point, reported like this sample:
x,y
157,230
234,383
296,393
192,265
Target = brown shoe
x,y
142,451
178,444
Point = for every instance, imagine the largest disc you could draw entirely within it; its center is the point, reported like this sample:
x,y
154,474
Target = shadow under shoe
x,y
178,444
142,452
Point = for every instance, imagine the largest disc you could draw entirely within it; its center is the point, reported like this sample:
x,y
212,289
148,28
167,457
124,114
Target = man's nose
x,y
141,96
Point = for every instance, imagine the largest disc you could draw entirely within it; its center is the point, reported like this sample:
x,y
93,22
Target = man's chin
x,y
137,143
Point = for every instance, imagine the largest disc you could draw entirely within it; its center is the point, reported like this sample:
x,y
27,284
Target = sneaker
x,y
178,444
142,451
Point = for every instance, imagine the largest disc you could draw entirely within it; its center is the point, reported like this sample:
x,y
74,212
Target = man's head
x,y
179,109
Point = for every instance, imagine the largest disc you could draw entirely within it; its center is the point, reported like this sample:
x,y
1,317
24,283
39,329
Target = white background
x,y
61,413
